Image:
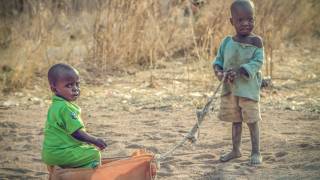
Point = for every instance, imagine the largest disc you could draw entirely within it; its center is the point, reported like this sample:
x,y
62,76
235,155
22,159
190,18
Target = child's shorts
x,y
239,109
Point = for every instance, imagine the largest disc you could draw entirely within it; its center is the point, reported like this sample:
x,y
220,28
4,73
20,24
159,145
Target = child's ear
x,y
53,88
231,21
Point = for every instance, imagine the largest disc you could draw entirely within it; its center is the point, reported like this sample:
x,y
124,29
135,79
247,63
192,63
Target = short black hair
x,y
241,4
59,70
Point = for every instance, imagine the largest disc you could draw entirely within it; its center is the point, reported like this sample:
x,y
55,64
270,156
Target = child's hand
x,y
219,72
85,137
219,75
243,72
100,144
231,74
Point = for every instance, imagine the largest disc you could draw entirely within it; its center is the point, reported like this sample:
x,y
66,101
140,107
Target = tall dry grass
x,y
101,36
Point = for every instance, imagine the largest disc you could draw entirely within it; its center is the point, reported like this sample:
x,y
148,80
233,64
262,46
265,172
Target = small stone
x,y
10,103
196,94
18,94
312,76
292,108
109,80
129,109
35,100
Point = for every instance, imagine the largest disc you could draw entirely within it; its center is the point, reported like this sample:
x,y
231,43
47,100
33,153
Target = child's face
x,y
68,87
243,21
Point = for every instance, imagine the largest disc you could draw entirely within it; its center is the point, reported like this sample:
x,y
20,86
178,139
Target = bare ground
x,y
132,111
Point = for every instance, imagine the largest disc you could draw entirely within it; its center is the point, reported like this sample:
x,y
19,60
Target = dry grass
x,y
114,34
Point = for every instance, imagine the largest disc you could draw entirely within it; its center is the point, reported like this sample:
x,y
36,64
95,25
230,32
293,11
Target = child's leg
x,y
84,156
236,142
256,157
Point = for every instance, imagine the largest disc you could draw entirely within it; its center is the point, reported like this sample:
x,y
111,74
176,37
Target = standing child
x,y
66,143
238,63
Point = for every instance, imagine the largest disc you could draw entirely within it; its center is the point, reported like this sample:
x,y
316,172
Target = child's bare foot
x,y
229,156
256,159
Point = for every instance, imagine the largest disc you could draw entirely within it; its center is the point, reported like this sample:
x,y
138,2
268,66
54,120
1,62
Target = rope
x,y
190,136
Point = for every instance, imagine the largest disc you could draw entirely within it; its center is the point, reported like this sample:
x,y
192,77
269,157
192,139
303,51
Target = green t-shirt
x,y
59,147
232,54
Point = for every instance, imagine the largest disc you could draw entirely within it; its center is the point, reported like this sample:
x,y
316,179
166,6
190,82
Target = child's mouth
x,y
245,29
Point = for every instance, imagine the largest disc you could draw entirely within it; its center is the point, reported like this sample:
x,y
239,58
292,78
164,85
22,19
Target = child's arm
x,y
218,71
85,137
218,62
72,124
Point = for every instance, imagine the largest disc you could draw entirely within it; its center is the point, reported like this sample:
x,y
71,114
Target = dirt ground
x,y
131,111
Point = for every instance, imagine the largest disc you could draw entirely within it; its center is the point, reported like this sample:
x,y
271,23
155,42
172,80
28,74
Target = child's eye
x,y
70,85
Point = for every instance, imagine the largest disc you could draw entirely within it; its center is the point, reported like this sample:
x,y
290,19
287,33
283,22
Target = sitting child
x,y
66,143
238,62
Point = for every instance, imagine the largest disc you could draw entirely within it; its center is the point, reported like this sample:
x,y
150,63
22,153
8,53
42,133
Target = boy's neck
x,y
242,37
61,97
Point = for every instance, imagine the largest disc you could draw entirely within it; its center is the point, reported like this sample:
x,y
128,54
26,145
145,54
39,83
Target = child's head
x,y
64,81
242,17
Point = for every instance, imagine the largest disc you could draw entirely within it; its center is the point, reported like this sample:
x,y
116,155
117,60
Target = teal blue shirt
x,y
232,54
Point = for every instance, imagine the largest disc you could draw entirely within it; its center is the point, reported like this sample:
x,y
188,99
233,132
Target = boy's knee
x,y
95,154
252,124
89,154
237,123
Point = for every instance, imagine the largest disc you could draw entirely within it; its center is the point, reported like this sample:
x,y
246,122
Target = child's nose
x,y
245,23
75,88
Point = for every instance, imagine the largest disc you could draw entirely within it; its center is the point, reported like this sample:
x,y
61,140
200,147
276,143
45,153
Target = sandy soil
x,y
130,114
